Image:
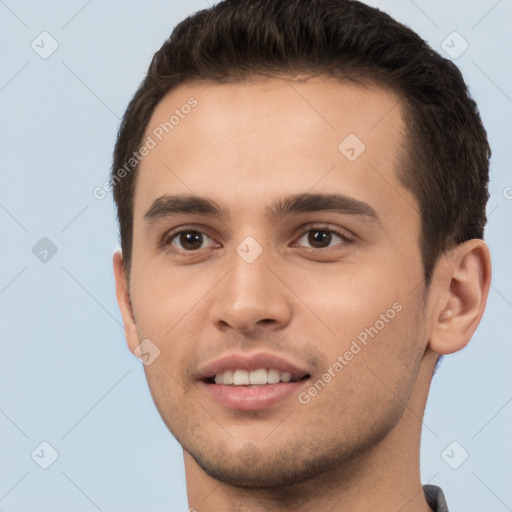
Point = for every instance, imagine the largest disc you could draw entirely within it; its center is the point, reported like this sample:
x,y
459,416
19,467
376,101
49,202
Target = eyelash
x,y
346,239
169,237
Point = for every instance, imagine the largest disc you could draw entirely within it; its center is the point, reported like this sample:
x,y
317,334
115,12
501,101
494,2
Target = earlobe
x,y
464,278
124,301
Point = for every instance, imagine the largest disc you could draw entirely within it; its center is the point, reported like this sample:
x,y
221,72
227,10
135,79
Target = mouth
x,y
252,382
259,377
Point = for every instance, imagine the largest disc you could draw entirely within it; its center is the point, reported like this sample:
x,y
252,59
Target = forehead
x,y
243,143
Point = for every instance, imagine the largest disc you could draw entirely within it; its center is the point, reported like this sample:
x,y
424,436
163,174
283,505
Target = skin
x,y
355,445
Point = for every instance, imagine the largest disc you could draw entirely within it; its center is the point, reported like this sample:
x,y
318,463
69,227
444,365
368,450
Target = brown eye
x,y
318,238
189,240
322,238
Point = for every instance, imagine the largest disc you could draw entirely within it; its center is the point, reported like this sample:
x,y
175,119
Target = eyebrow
x,y
170,205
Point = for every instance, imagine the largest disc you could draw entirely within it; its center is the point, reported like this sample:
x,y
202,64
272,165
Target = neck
x,y
385,478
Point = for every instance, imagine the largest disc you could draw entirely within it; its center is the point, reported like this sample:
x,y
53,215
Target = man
x,y
301,191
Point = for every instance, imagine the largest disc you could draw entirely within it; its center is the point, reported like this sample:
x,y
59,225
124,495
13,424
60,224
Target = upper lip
x,y
249,362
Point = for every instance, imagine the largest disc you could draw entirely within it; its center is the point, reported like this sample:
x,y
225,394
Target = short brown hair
x,y
447,163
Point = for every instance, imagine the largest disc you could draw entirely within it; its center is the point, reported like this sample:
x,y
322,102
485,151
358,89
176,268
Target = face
x,y
276,267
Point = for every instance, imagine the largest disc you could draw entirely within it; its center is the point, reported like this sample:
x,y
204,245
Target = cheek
x,y
163,300
374,370
369,323
178,412
171,307
343,301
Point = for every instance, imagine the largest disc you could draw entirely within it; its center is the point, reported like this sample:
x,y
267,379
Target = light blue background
x,y
67,377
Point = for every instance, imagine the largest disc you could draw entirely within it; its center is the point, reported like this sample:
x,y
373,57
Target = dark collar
x,y
435,498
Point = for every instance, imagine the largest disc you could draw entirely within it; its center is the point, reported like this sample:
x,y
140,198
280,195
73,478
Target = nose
x,y
250,297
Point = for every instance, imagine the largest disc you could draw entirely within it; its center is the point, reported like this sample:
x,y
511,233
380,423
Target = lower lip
x,y
252,398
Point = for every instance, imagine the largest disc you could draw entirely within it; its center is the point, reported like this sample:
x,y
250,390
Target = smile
x,y
259,377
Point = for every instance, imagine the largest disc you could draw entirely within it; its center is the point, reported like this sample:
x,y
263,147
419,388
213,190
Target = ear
x,y
125,304
464,278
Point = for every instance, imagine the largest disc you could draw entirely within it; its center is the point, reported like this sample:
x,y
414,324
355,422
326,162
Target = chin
x,y
263,474
299,462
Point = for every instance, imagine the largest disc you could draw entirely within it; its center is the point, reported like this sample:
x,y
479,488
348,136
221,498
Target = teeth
x,y
228,377
286,377
241,378
258,377
273,376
